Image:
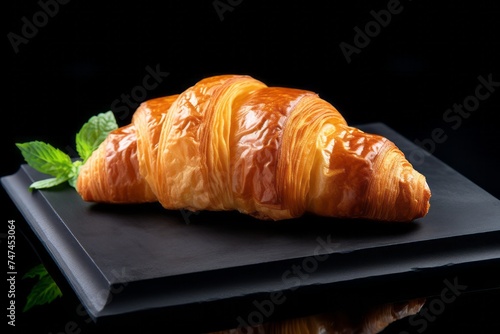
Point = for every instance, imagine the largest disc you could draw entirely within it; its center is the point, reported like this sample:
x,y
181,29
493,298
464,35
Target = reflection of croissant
x,y
370,321
232,143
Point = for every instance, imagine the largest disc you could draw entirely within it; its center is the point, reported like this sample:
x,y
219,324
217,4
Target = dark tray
x,y
141,260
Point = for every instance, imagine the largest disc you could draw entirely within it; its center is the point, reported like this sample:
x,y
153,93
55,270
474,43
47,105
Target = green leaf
x,y
48,183
93,133
38,270
74,173
45,158
49,160
44,291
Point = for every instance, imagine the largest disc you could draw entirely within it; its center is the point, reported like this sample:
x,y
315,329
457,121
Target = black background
x,y
425,60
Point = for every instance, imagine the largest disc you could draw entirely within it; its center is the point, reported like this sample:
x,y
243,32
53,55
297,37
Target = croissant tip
x,y
427,194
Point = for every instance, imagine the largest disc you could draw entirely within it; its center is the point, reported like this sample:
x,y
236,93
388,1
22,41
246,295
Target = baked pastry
x,y
230,142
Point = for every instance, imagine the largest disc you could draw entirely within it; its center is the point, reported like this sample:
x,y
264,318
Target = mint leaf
x,y
48,183
44,291
75,170
45,158
38,270
93,133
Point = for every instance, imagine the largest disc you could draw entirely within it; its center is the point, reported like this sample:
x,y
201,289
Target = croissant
x,y
230,142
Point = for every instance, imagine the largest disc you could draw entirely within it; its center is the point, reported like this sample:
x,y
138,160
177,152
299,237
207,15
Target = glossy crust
x,y
112,173
231,143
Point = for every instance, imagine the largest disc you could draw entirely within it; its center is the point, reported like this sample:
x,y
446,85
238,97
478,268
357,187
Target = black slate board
x,y
137,259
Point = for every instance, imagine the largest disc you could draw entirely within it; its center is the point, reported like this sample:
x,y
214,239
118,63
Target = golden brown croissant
x,y
231,143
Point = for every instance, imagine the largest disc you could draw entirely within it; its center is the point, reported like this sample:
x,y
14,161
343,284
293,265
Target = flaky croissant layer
x,y
232,143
